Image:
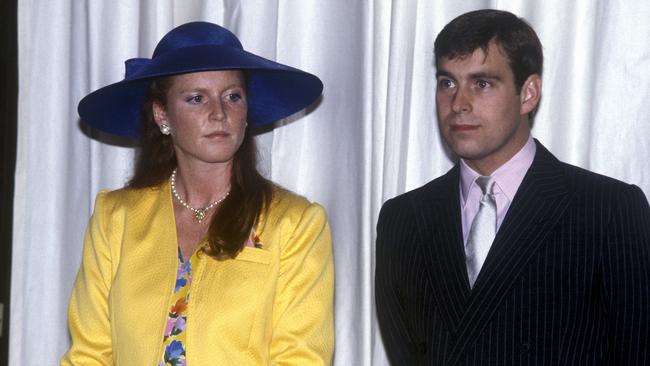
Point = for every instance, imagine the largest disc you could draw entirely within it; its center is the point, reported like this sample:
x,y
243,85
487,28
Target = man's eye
x,y
483,84
445,83
195,99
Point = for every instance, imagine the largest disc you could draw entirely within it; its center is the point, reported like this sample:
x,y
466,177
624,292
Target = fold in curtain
x,y
374,134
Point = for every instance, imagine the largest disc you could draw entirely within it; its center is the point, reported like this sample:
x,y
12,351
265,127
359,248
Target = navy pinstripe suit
x,y
566,281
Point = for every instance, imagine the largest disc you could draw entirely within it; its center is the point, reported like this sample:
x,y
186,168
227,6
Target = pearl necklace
x,y
199,213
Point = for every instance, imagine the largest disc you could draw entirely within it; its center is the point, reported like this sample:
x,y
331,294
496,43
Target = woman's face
x,y
207,115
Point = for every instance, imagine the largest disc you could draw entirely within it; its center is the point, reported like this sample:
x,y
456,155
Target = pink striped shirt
x,y
507,178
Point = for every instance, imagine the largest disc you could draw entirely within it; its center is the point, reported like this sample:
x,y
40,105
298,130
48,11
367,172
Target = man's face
x,y
481,116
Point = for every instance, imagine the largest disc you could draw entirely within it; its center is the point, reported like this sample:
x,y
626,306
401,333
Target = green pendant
x,y
199,214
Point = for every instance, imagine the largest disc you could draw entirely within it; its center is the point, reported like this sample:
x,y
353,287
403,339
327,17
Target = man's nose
x,y
461,102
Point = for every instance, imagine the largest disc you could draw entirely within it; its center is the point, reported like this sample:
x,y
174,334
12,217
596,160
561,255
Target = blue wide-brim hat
x,y
274,90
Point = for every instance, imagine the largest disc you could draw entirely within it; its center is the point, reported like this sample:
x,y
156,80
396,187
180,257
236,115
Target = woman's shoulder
x,y
293,223
287,205
284,199
127,197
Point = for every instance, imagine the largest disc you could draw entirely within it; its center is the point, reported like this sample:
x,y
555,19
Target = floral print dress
x,y
174,338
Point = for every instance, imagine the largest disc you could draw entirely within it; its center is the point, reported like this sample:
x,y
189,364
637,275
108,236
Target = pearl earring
x,y
165,129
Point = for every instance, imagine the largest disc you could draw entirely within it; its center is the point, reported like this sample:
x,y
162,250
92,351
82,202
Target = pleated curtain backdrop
x,y
373,135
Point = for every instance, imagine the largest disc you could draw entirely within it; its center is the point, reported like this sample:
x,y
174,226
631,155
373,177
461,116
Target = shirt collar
x,y
507,177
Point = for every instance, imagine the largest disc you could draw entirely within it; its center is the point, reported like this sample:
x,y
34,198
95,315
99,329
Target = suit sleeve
x,y
303,315
395,237
626,260
88,314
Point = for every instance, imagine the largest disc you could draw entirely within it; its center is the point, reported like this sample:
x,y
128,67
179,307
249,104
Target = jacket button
x,y
422,348
525,347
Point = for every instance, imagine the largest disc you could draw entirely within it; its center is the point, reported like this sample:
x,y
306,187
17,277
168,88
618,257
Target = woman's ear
x,y
531,92
159,114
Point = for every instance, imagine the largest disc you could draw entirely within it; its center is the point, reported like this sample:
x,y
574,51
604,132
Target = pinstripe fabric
x,y
566,282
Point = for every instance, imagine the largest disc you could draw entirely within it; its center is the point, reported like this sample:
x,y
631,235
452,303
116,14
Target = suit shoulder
x,y
431,190
585,180
603,191
402,207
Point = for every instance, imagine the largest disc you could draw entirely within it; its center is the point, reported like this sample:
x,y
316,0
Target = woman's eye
x,y
195,99
234,97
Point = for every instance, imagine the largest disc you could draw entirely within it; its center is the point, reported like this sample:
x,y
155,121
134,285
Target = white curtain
x,y
373,136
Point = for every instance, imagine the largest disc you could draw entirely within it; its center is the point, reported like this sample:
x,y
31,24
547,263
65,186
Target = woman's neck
x,y
201,185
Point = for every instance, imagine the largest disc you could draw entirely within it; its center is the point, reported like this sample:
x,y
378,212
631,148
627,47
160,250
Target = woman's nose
x,y
217,110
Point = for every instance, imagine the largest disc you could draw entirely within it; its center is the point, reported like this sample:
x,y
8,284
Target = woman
x,y
200,259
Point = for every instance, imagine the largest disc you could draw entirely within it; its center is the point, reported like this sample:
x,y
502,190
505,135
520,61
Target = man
x,y
512,257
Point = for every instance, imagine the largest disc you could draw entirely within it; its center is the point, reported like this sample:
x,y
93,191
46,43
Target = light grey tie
x,y
482,231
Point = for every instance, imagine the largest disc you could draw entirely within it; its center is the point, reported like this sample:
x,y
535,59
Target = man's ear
x,y
531,92
159,113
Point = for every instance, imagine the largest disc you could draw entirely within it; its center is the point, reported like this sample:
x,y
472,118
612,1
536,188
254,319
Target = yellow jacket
x,y
269,306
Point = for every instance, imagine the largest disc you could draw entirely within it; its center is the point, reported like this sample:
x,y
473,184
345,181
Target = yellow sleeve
x,y
88,312
303,320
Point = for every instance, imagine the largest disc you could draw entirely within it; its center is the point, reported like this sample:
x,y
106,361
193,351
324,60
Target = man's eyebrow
x,y
444,73
484,75
472,76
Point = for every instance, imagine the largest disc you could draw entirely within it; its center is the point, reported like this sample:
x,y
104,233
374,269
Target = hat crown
x,y
274,90
196,34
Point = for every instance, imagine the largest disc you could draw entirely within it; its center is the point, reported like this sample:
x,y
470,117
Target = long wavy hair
x,y
250,193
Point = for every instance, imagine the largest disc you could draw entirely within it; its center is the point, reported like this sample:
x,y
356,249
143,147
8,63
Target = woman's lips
x,y
217,134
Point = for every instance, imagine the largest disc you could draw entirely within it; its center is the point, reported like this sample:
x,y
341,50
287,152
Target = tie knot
x,y
486,183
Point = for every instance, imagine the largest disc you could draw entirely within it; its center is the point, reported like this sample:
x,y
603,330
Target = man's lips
x,y
464,128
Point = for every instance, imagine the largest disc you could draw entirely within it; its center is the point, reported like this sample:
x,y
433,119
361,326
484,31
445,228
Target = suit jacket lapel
x,y
438,202
542,197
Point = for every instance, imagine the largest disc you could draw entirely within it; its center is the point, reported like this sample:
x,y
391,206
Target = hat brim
x,y
275,91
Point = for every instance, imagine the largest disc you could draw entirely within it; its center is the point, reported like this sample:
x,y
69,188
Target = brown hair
x,y
250,192
476,29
